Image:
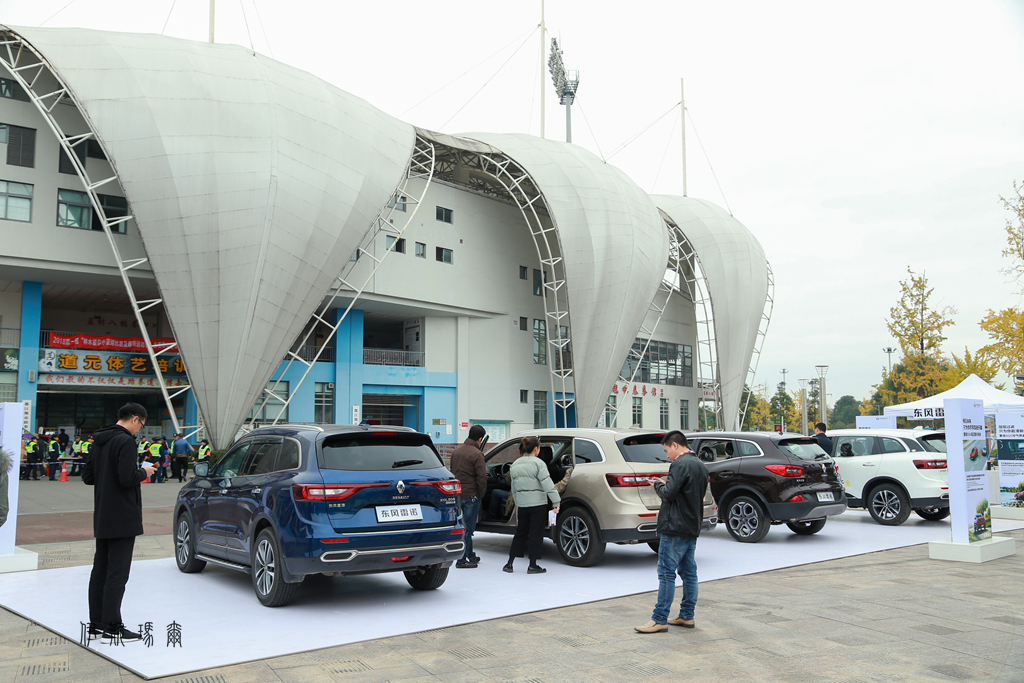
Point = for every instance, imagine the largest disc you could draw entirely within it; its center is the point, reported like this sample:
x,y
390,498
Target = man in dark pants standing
x,y
467,464
679,520
112,467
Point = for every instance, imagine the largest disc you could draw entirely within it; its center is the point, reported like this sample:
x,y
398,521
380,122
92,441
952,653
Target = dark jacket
x,y
467,464
682,496
824,442
113,468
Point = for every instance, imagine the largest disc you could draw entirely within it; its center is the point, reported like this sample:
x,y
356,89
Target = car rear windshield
x,y
378,451
643,448
805,449
934,442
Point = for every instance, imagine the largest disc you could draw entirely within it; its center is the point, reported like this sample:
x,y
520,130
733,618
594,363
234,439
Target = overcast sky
x,y
853,139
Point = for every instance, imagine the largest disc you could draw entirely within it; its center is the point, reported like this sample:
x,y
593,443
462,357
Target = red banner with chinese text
x,y
106,343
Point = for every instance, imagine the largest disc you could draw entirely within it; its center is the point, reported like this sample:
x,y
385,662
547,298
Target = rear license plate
x,y
402,513
821,497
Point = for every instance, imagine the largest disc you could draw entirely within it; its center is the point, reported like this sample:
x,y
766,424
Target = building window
x,y
74,210
524,395
684,415
94,151
273,406
609,412
638,411
444,255
395,245
10,89
397,203
114,207
323,402
15,201
421,250
21,146
662,363
355,255
444,215
524,324
687,366
64,165
538,283
540,409
9,392
3,133
540,342
663,413
524,272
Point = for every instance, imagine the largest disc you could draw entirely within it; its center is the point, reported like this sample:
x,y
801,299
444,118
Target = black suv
x,y
762,479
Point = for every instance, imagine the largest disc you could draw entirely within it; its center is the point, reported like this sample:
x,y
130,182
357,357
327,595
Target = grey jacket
x,y
5,466
531,483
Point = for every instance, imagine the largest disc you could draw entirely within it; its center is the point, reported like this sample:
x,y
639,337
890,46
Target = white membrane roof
x,y
737,278
615,247
252,183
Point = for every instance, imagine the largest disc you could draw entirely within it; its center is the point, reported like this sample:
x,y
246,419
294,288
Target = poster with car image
x,y
967,454
1010,436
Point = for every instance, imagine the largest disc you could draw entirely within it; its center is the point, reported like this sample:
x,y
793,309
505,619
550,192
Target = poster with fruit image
x,y
967,454
1010,435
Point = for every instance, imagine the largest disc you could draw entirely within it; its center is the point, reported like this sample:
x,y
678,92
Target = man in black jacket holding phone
x,y
679,520
113,468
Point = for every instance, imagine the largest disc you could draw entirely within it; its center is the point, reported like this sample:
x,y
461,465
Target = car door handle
x,y
257,490
222,491
725,473
868,464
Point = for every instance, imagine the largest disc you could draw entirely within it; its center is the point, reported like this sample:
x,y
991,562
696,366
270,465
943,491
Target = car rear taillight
x,y
786,470
796,499
320,492
629,479
401,558
930,464
451,486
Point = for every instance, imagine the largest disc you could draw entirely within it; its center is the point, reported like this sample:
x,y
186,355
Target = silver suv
x,y
606,499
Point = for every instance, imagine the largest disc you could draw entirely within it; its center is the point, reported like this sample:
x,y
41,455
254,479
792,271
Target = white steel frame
x,y
421,166
26,65
762,332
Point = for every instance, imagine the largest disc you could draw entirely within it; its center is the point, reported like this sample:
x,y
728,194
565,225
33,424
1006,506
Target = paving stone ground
x,y
884,617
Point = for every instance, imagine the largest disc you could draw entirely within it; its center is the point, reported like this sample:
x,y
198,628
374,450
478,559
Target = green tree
x,y
981,364
916,376
1014,249
782,408
758,413
1006,330
914,322
845,412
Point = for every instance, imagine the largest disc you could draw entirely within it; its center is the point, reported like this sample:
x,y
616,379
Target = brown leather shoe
x,y
679,621
651,627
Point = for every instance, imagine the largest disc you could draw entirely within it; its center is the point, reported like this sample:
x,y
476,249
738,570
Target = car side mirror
x,y
202,469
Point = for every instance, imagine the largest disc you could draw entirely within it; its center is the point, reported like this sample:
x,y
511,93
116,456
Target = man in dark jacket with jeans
x,y
113,468
679,520
467,464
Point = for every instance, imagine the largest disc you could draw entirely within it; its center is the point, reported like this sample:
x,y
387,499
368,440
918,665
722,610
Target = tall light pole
x,y
822,401
566,83
889,350
803,406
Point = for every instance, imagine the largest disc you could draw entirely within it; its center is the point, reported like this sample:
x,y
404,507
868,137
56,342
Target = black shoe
x,y
535,569
465,564
120,633
95,631
475,561
507,568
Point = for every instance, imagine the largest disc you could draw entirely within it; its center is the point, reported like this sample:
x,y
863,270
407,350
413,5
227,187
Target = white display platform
x,y
979,551
20,561
222,623
1001,512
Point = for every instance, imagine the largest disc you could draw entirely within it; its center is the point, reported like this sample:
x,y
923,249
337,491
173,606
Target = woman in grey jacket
x,y
531,490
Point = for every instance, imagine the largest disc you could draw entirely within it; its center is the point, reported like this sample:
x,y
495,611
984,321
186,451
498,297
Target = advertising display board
x,y
876,422
10,440
1010,437
967,455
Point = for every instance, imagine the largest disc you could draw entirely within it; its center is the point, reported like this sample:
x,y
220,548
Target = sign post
x,y
970,515
1010,439
12,559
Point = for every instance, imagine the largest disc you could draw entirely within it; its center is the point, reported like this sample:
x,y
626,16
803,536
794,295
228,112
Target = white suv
x,y
893,471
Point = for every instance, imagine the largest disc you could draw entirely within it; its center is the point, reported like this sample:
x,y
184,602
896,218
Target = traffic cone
x,y
64,471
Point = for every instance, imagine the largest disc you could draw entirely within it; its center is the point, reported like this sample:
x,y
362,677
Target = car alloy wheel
x,y
746,520
265,567
183,540
575,537
888,505
578,537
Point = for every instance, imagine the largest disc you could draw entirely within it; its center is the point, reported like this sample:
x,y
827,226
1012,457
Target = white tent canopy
x,y
974,387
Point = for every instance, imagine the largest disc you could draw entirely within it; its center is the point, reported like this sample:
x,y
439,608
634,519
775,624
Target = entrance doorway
x,y
392,409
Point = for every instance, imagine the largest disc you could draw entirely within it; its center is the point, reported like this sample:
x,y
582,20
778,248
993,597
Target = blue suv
x,y
292,500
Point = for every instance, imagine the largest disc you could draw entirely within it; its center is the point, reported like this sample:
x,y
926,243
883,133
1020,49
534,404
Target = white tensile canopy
x,y
974,387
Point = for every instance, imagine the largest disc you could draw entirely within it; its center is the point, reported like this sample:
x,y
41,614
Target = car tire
x,y
933,515
888,505
746,519
185,546
806,528
271,588
578,538
655,545
427,578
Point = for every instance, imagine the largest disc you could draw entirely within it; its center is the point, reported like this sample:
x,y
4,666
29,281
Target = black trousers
x,y
110,568
176,468
531,527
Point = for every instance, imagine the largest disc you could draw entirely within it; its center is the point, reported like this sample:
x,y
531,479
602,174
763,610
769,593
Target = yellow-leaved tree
x,y
914,322
1006,327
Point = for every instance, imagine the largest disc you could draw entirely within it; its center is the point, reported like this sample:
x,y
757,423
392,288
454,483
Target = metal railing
x,y
309,353
393,357
10,336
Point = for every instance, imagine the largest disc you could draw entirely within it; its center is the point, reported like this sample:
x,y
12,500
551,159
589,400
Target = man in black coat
x,y
679,521
822,437
112,467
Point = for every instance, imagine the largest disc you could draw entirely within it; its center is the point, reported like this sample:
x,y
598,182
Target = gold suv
x,y
606,498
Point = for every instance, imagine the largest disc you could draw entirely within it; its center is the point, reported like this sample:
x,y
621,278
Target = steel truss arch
x,y
421,165
31,71
762,332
